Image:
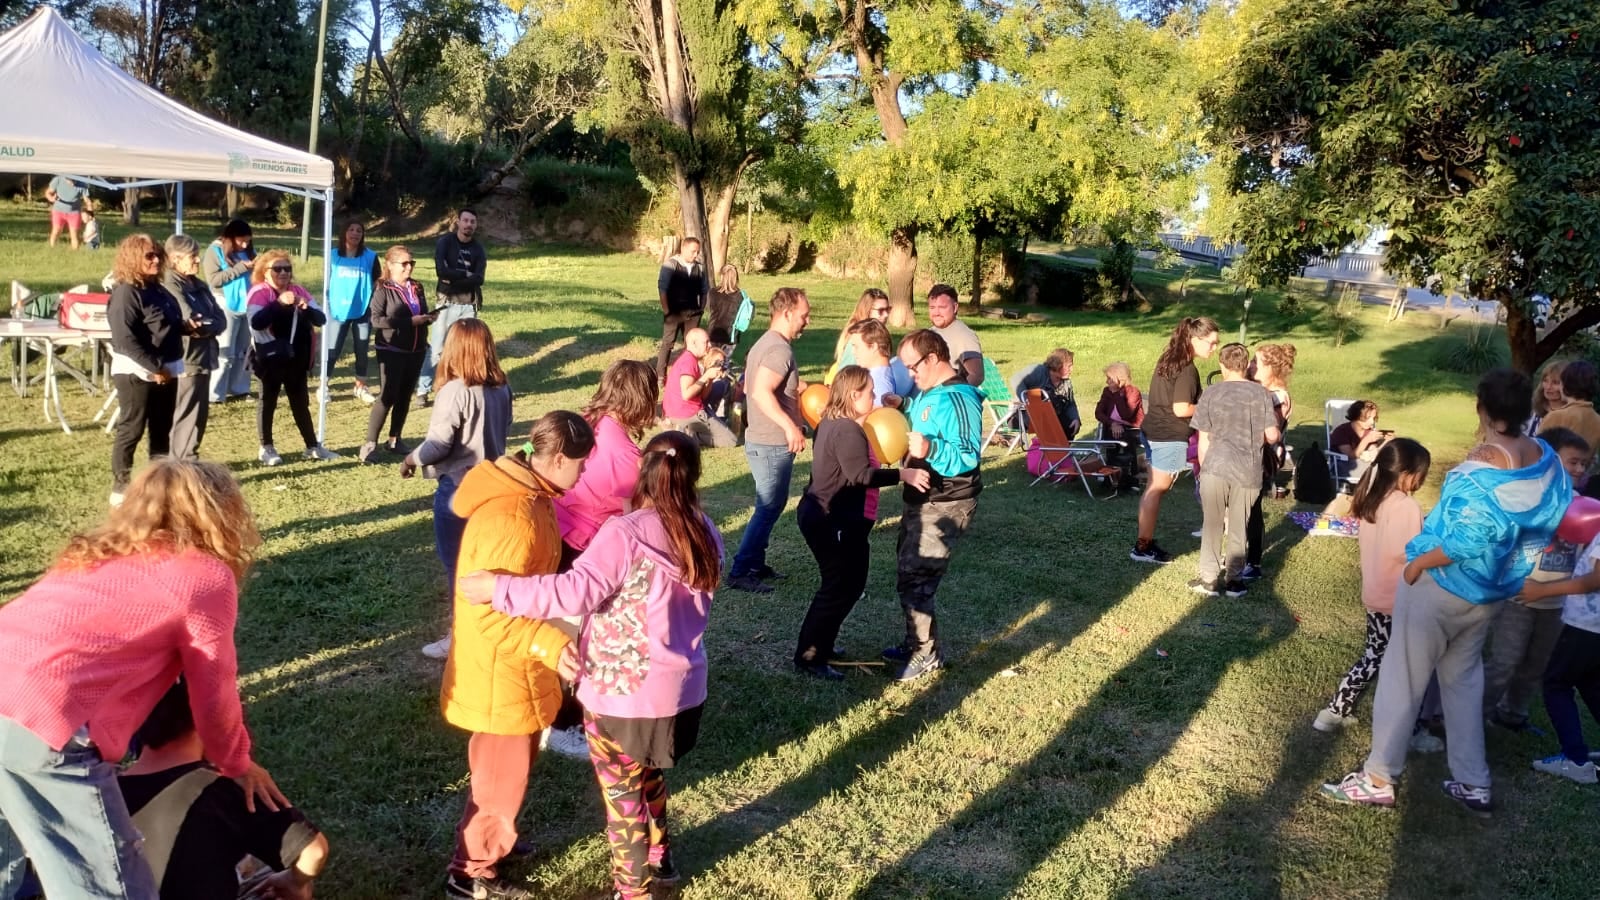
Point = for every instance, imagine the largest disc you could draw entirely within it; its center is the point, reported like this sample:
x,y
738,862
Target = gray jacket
x,y
468,426
195,299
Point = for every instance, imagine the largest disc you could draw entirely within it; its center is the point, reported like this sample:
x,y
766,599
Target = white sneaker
x,y
1566,768
115,499
1330,721
269,455
320,452
439,649
364,395
1423,742
569,742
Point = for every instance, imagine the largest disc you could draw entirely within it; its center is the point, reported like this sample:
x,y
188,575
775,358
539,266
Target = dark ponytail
x,y
668,473
559,431
1179,351
1396,459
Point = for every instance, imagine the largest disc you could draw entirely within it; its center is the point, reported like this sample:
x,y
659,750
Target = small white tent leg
x,y
177,226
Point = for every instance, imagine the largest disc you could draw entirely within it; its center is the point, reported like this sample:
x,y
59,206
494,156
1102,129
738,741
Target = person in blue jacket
x,y
355,271
1497,511
946,438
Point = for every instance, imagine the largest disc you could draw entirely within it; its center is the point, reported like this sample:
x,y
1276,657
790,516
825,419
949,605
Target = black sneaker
x,y
1250,572
767,573
1203,587
920,665
900,653
663,872
460,887
1236,588
749,583
822,671
1152,553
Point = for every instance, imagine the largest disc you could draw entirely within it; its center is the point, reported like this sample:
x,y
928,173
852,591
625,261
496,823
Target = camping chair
x,y
1339,465
1001,403
1083,459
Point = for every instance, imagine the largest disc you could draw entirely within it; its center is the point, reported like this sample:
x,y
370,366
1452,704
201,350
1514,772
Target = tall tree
x,y
677,81
1471,130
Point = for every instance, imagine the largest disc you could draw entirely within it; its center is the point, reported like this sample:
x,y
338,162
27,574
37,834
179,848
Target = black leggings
x,y
290,381
397,377
843,554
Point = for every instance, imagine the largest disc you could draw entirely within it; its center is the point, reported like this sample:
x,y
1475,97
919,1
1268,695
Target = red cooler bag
x,y
85,312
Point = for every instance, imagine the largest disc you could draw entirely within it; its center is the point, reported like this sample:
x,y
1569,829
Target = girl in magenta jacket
x,y
149,594
644,586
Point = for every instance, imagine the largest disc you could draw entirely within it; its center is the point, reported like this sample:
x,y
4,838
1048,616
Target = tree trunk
x,y
902,275
979,229
499,173
130,206
1528,350
720,223
691,203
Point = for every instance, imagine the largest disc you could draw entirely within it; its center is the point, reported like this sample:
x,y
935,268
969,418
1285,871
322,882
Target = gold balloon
x,y
832,371
887,433
812,402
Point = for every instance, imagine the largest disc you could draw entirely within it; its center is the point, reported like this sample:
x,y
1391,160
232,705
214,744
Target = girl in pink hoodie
x,y
644,588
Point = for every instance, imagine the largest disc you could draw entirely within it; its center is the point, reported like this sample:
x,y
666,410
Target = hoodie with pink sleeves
x,y
643,639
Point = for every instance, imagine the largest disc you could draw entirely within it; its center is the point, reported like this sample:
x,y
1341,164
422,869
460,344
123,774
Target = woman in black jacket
x,y
146,354
200,350
282,319
400,320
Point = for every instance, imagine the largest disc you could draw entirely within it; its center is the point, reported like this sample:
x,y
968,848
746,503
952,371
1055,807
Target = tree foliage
x,y
1470,129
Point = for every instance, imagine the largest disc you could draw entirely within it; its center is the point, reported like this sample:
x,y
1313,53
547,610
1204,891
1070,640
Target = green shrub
x,y
1478,351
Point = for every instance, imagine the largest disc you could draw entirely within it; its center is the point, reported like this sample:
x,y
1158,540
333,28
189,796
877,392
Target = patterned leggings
x,y
1365,670
635,798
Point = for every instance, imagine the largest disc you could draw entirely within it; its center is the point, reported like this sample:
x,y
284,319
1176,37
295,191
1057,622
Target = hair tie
x,y
527,449
671,451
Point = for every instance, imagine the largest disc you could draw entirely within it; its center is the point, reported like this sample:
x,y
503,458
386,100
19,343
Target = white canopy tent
x,y
67,110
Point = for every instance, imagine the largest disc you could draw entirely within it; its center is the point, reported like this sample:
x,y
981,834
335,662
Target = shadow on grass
x,y
1096,758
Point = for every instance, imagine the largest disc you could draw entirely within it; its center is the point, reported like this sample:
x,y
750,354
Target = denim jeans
x,y
360,332
770,467
449,314
447,530
62,809
232,377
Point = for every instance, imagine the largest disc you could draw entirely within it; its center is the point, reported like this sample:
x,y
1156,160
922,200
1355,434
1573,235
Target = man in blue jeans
x,y
772,435
460,262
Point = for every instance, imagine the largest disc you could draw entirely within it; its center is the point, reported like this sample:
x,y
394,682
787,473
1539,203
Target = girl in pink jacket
x,y
644,586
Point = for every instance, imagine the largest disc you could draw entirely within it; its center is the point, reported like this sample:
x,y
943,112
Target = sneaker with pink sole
x,y
1358,788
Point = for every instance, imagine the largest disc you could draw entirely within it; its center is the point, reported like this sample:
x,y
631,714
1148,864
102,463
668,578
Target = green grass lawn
x,y
1059,756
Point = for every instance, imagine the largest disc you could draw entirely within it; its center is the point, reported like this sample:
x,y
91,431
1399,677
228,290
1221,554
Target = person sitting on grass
x,y
690,380
1580,381
199,826
1574,665
1525,629
1496,512
1234,419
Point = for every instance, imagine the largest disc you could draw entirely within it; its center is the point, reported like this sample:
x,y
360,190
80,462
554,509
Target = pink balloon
x,y
1581,522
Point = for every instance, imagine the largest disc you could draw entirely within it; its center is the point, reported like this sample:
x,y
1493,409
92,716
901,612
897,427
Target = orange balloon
x,y
887,432
813,400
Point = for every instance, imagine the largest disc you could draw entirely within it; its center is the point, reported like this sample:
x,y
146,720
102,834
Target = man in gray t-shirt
x,y
772,436
1235,420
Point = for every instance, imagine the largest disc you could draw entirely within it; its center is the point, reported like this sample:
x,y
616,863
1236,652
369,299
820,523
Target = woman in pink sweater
x,y
130,605
644,586
623,406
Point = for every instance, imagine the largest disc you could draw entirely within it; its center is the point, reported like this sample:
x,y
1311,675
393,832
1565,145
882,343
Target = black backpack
x,y
1312,481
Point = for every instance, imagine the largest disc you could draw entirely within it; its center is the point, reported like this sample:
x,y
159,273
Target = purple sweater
x,y
643,640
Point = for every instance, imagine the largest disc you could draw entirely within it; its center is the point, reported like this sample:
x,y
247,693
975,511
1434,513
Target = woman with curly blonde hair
x,y
150,594
147,330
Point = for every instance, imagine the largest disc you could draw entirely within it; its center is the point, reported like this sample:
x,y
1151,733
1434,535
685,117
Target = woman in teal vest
x,y
355,271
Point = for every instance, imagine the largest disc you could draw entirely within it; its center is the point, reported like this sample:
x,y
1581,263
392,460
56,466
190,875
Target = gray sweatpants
x,y
1225,507
928,535
1433,630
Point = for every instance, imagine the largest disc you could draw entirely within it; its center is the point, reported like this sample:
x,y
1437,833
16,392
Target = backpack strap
x,y
161,819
